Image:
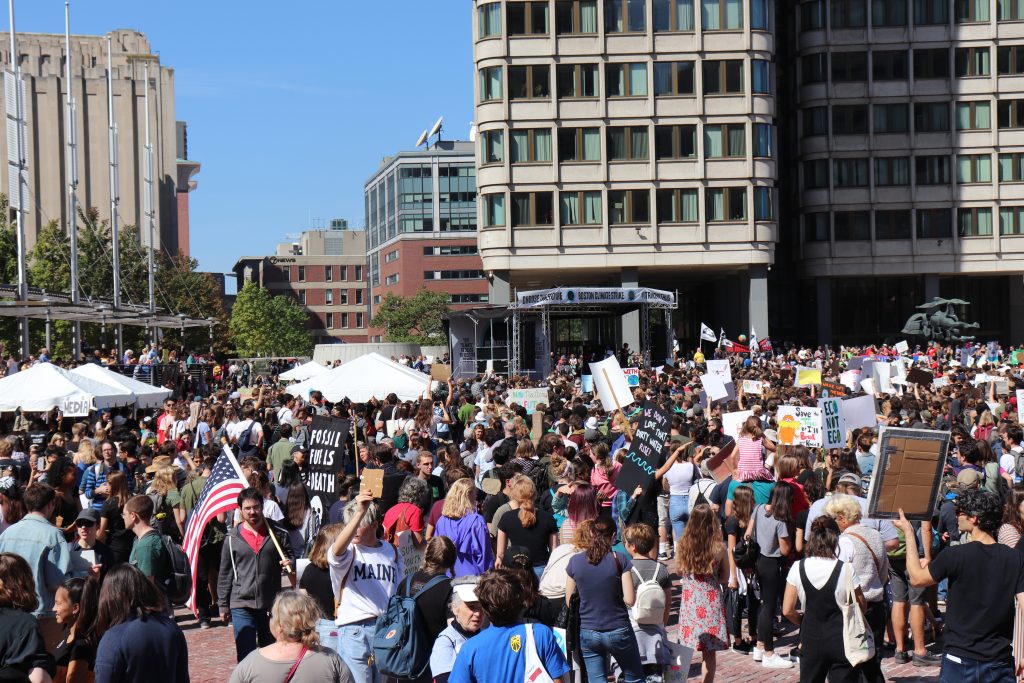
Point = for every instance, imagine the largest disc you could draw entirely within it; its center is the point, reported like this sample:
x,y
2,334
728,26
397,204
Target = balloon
x,y
743,337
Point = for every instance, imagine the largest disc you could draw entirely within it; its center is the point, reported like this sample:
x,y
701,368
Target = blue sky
x,y
291,106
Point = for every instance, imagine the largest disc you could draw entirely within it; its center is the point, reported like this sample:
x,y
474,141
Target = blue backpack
x,y
401,647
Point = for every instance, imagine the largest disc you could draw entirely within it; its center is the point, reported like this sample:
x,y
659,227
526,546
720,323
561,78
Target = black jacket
x,y
249,579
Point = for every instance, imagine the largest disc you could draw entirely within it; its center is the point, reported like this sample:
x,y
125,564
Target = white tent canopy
x,y
366,377
147,396
303,372
44,386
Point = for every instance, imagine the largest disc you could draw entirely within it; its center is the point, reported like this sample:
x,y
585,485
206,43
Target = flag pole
x,y
270,530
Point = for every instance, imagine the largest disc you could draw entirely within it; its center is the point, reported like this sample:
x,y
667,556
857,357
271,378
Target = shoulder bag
x,y
535,671
858,643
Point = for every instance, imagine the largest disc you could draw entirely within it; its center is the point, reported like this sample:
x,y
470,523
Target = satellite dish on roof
x,y
437,126
422,140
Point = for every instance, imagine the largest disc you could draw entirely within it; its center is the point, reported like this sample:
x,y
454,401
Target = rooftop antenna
x,y
422,140
436,130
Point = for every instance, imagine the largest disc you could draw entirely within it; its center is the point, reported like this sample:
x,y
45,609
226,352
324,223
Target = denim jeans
x,y
621,644
355,647
252,630
328,633
976,670
679,513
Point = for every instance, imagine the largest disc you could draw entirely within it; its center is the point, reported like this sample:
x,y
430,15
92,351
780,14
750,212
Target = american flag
x,y
220,494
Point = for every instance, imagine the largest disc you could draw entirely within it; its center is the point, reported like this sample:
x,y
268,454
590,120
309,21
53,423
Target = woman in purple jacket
x,y
466,528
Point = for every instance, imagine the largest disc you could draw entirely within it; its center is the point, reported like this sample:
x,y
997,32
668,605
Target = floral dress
x,y
702,614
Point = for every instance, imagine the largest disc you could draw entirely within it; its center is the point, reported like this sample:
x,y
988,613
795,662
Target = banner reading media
x,y
328,437
645,451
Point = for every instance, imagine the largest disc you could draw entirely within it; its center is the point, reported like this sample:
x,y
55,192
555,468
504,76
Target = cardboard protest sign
x,y
720,368
1002,387
644,456
806,377
441,373
752,386
799,426
611,384
328,437
632,376
722,464
833,423
733,422
411,555
714,386
537,429
527,398
860,412
372,481
920,377
908,473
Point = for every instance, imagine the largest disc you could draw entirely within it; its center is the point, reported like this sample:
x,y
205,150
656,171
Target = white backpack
x,y
649,607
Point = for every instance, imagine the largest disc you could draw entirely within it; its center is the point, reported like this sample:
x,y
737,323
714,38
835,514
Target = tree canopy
x,y
415,319
264,325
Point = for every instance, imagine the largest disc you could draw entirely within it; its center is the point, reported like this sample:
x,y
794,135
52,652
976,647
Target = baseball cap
x,y
968,478
297,449
849,478
591,423
466,592
591,435
88,515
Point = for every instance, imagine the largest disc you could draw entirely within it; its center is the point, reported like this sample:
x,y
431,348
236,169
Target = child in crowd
x,y
650,611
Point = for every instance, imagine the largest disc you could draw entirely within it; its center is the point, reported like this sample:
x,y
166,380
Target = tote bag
x,y
535,671
858,642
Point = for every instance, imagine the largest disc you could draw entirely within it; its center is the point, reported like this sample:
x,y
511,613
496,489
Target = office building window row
x,y
937,169
858,14
902,224
897,65
904,118
468,298
628,143
447,250
452,274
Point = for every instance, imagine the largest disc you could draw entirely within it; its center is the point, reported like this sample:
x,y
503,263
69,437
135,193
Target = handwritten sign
x,y
830,388
733,422
645,450
833,422
799,426
720,368
328,437
632,376
76,405
527,398
752,386
714,386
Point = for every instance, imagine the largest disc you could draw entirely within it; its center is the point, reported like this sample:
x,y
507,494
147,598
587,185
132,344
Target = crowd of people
x,y
499,551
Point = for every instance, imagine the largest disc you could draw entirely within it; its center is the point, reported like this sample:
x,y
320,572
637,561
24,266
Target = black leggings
x,y
736,619
769,575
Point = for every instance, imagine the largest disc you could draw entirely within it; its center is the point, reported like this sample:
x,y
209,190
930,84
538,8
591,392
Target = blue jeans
x,y
328,633
976,671
621,644
252,630
679,514
355,643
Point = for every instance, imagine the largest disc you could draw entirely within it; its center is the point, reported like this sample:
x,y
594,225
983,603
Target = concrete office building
x,y
908,125
421,221
42,59
324,271
629,143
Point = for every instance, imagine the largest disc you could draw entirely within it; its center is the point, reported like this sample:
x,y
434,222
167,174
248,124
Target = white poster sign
x,y
850,378
76,405
860,412
714,386
902,347
1020,402
833,423
799,426
733,422
527,398
752,386
611,384
720,368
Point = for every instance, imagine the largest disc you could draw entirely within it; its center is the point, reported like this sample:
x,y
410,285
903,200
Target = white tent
x,y
365,377
45,386
147,396
303,372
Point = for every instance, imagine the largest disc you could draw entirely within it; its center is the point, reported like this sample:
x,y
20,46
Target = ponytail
x,y
523,492
601,543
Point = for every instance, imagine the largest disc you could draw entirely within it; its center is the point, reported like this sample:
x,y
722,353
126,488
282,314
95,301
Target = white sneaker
x,y
757,653
776,662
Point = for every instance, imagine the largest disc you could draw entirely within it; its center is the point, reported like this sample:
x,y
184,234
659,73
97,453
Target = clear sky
x,y
290,105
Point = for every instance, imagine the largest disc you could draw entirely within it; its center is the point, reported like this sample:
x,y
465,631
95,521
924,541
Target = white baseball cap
x,y
465,591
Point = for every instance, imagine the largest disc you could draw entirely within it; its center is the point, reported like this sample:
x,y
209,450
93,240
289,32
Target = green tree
x,y
195,295
262,325
415,319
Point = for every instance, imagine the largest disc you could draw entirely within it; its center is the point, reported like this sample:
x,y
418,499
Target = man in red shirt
x,y
165,424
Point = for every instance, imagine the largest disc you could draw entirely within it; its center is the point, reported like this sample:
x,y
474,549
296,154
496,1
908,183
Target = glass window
x,y
974,222
1011,220
971,11
889,65
1011,168
973,116
628,143
850,67
891,118
580,208
1011,113
579,144
573,17
760,13
629,206
675,142
529,82
932,63
931,117
673,78
816,174
677,206
330,320
888,13
850,119
494,210
626,80
812,15
577,80
489,19
931,170
850,172
532,208
302,273
527,18
972,61
817,227
531,145
931,12
728,140
1010,10
848,13
302,297
852,226
1010,59
721,15
815,121
814,68
762,134
492,149
490,83
761,76
892,171
974,168
624,16
763,210
893,224
673,15
723,76
328,273
726,204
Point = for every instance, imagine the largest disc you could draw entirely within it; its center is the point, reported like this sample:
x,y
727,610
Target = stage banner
x,y
327,439
644,456
567,296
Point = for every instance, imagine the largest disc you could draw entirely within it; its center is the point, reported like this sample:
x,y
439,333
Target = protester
x,y
148,554
769,528
467,620
526,526
467,529
23,654
76,603
112,530
316,581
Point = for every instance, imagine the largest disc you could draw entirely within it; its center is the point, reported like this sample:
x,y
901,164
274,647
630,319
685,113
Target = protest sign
x,y
587,384
902,347
527,398
920,377
537,429
632,376
752,386
1002,387
372,481
908,473
442,373
833,423
799,426
806,377
722,464
940,382
882,376
76,405
720,368
868,385
855,363
830,388
327,439
610,382
851,379
733,422
860,412
411,555
714,386
645,449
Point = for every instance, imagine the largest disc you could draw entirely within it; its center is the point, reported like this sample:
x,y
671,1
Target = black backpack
x,y
244,447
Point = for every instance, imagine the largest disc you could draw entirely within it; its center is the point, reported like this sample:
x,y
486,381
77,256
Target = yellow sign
x,y
805,377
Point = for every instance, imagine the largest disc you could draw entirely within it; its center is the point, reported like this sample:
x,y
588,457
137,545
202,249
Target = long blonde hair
x,y
86,452
295,614
523,492
459,501
701,545
163,481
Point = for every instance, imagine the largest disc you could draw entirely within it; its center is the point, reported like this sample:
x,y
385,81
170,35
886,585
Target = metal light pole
x,y
72,174
16,165
148,196
115,199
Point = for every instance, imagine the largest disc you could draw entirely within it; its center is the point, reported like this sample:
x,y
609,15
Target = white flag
x,y
753,339
721,337
707,334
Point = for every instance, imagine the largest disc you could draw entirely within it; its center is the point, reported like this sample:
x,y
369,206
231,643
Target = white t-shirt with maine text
x,y
373,577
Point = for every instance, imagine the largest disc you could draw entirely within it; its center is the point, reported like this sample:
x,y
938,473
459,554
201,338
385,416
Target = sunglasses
x,y
84,524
